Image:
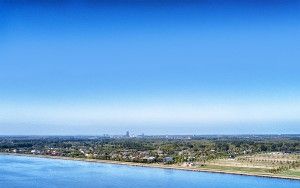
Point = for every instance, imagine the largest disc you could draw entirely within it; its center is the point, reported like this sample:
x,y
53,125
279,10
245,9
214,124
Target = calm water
x,y
17,171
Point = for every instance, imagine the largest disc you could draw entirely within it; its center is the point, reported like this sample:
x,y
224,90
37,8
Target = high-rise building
x,y
127,134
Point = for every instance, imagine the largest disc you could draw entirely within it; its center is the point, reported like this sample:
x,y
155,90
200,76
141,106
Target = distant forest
x,y
152,148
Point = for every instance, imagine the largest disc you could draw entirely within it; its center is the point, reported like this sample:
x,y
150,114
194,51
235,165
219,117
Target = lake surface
x,y
19,171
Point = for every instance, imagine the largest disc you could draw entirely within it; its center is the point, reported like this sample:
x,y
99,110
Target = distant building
x,y
35,151
151,159
127,134
168,160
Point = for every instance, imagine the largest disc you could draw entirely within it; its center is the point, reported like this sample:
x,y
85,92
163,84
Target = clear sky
x,y
158,67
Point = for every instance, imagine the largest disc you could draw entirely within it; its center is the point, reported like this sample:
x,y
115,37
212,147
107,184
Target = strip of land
x,y
258,155
248,171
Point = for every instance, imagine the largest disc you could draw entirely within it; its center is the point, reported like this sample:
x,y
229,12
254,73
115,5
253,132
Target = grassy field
x,y
234,169
292,172
279,164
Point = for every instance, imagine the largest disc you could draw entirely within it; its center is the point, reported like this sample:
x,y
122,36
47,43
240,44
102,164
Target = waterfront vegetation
x,y
249,154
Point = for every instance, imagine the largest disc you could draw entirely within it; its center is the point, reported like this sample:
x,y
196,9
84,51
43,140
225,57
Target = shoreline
x,y
155,165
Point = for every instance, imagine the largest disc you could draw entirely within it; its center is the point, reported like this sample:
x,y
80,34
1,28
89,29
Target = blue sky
x,y
158,67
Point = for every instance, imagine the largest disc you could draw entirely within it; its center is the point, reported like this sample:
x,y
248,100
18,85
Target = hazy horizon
x,y
154,67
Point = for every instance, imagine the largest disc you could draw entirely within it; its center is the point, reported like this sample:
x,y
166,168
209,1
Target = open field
x,y
292,172
267,163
